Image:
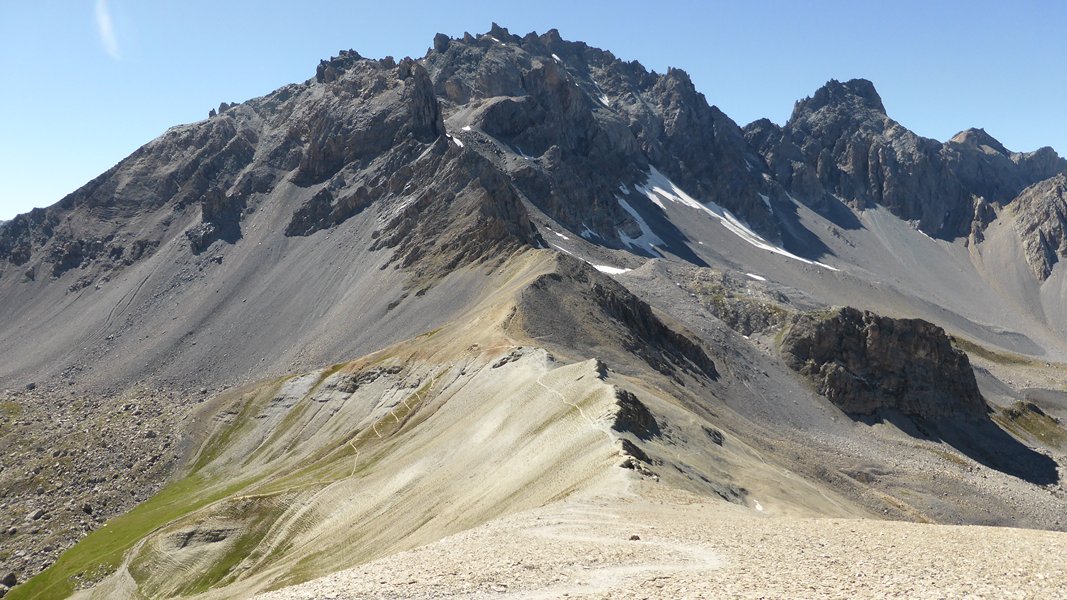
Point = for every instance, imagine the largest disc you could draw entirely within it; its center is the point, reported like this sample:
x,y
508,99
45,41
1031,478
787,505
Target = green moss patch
x,y
999,357
1025,419
101,552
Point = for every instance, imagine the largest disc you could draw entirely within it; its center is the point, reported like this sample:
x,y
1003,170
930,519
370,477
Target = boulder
x,y
440,42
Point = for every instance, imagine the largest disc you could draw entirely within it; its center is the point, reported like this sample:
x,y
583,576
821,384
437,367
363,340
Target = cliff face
x,y
840,143
575,127
864,363
569,128
361,132
1041,223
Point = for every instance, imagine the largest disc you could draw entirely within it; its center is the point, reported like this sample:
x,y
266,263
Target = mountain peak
x,y
853,94
977,138
502,33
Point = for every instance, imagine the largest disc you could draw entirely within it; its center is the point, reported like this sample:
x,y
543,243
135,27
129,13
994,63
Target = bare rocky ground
x,y
665,544
71,462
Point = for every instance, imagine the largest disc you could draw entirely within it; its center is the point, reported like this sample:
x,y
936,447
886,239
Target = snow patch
x,y
561,235
562,249
602,268
647,239
601,95
466,128
766,201
608,270
624,189
556,58
659,188
454,139
915,226
756,277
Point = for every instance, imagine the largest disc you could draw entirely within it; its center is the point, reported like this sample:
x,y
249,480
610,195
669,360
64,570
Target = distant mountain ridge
x,y
469,152
840,144
593,122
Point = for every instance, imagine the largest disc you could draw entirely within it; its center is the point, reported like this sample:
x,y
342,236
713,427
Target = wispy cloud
x,y
105,28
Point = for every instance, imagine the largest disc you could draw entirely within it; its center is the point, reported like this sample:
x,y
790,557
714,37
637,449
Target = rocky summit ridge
x,y
571,125
840,145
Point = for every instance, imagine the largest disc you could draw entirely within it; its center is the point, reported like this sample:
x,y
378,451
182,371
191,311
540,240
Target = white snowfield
x,y
608,269
647,240
658,188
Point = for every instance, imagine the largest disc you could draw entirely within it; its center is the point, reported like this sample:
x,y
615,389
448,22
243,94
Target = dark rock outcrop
x,y
220,216
315,214
465,211
1041,223
865,363
841,144
566,127
633,416
116,219
369,108
572,124
599,316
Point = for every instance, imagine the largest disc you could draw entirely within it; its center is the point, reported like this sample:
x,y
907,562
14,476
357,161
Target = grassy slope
x,y
101,551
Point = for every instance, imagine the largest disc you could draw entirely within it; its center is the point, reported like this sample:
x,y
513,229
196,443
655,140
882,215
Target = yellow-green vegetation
x,y
951,457
277,458
256,516
250,404
330,463
326,374
429,334
293,417
995,356
10,410
101,552
713,293
1024,421
782,332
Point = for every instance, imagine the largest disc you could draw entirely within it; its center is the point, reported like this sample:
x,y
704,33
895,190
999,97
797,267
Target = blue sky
x,y
86,82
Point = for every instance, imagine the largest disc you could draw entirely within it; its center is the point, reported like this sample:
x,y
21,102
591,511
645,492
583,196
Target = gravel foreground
x,y
674,547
